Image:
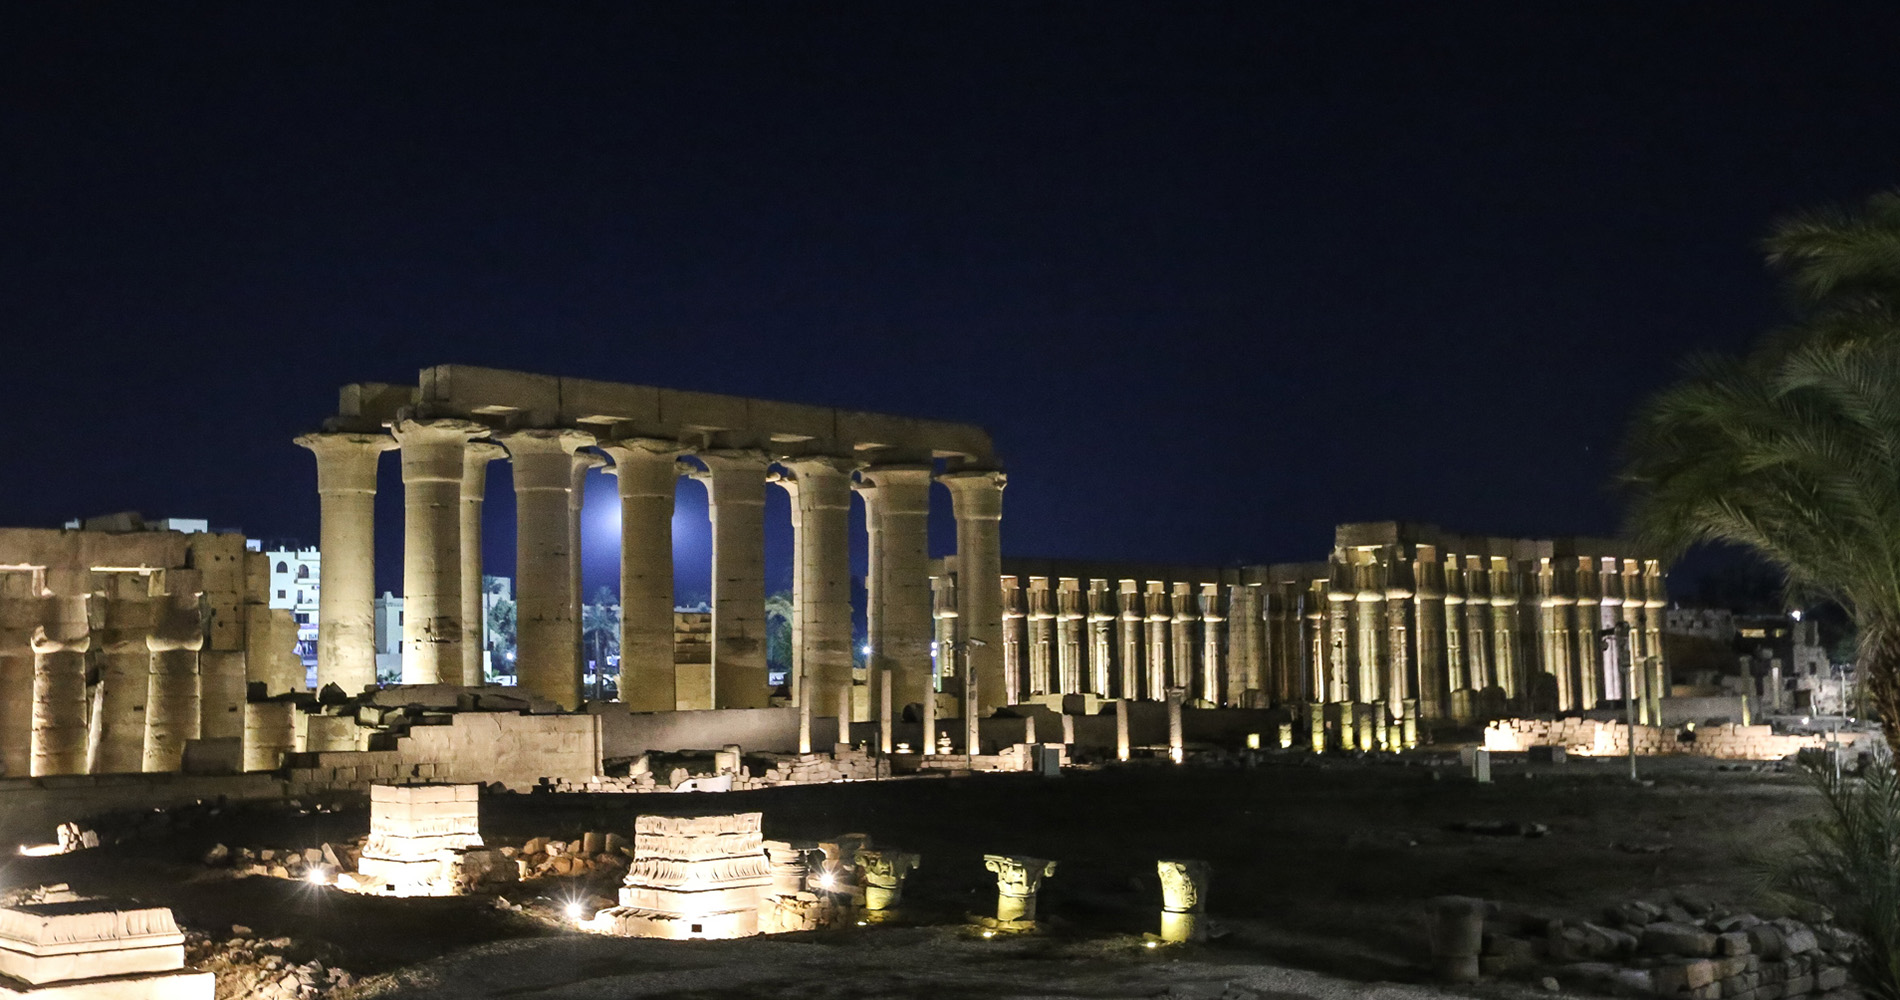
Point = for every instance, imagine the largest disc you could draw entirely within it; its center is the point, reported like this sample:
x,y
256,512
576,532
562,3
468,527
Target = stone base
x,y
43,943
178,984
628,921
1002,926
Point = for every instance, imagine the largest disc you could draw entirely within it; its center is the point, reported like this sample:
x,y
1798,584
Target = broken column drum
x,y
883,873
1018,880
1183,899
699,877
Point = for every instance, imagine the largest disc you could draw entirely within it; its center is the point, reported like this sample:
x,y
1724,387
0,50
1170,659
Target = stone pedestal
x,y
414,832
346,601
701,877
882,873
96,949
1018,879
1183,900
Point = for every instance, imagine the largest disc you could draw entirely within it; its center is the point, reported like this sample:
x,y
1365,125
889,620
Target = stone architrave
x,y
735,495
475,458
59,686
346,601
1018,879
173,702
1183,899
883,873
432,471
647,479
546,658
976,501
701,877
903,623
821,555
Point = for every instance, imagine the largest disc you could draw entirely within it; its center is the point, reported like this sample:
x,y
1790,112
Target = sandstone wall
x,y
1590,737
517,751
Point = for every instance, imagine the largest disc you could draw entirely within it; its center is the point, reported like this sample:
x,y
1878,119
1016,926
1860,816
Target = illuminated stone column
x,y
884,719
545,657
1655,599
346,596
1398,656
1015,623
475,458
1369,647
821,558
432,471
1177,746
20,608
646,479
976,501
735,495
1122,747
1155,600
1457,671
901,574
1128,632
1428,625
60,643
578,465
1212,663
1183,638
1247,630
1069,616
1018,879
1504,631
1478,625
116,743
1040,619
1101,619
1183,900
173,700
929,723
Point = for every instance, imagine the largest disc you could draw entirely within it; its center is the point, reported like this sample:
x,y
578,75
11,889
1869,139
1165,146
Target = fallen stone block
x,y
1665,938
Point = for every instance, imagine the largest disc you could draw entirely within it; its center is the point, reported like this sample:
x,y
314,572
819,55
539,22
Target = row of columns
x,y
443,469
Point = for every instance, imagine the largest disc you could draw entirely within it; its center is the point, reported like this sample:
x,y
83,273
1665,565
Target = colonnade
x,y
444,463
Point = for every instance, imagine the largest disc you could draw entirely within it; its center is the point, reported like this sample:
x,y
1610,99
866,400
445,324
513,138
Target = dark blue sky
x,y
1216,276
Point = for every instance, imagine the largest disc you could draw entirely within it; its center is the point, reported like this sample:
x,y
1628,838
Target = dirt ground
x,y
1318,866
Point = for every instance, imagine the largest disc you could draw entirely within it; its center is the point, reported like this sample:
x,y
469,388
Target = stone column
x,y
1398,658
1339,687
844,717
1589,662
972,720
821,557
1015,621
20,607
976,500
1212,664
475,458
902,571
545,656
173,700
884,719
1429,639
128,612
1505,666
1183,900
930,723
346,601
1129,633
1182,640
1247,630
1155,600
1041,620
1018,879
60,643
1457,675
735,495
1101,619
647,481
578,464
432,470
1176,745
1069,616
1122,747
1478,627
883,873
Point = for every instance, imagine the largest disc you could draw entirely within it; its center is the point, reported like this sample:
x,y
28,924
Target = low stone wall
x,y
1591,737
31,807
514,750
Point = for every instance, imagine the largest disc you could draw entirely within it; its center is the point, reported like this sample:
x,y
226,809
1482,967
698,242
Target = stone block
x,y
1797,986
1765,940
1733,943
1832,977
86,939
177,984
1666,938
1682,975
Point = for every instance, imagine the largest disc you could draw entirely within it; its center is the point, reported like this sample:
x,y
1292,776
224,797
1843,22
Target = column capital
x,y
1018,875
975,494
820,465
346,461
483,452
446,429
325,443
1183,885
543,440
637,448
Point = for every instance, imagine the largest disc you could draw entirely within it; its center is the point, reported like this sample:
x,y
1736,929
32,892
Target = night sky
x,y
1216,277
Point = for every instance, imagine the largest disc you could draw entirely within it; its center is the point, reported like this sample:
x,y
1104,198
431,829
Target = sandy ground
x,y
1318,866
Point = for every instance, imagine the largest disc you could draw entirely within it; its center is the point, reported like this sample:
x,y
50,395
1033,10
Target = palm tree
x,y
1793,451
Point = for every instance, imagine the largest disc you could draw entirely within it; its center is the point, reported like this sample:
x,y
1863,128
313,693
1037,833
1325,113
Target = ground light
x,y
574,911
827,881
316,877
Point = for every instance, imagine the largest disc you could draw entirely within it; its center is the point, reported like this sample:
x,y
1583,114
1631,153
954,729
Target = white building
x,y
388,618
293,585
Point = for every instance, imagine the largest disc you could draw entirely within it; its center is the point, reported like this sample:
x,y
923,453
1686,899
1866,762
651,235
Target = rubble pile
x,y
594,852
1592,737
249,967
1679,946
730,770
304,864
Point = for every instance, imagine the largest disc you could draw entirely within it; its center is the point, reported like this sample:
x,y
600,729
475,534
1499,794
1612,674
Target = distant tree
x,y
600,638
1793,451
778,632
501,637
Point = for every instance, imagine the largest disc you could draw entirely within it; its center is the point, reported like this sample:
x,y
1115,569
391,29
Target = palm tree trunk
x,y
1880,677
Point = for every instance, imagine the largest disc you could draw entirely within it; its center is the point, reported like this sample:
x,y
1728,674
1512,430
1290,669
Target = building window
x,y
282,567
280,595
303,572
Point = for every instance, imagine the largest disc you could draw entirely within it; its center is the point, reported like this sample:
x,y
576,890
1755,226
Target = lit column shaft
x,y
174,700
902,589
346,602
545,654
432,470
821,514
475,458
976,500
735,491
60,643
647,481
